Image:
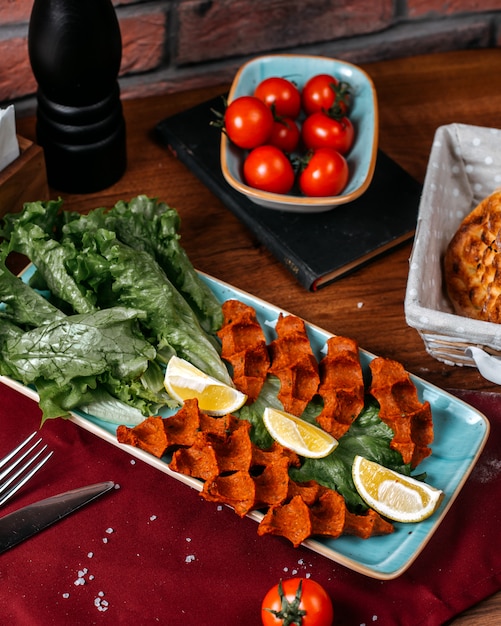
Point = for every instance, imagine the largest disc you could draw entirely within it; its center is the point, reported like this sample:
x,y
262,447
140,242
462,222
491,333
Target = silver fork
x,y
14,476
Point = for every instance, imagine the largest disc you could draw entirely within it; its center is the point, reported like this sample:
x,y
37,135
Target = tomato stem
x,y
290,613
342,93
218,122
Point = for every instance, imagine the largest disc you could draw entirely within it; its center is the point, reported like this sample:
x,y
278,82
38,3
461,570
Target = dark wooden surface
x,y
415,95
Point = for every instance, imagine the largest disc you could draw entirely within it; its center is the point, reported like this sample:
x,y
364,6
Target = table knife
x,y
31,519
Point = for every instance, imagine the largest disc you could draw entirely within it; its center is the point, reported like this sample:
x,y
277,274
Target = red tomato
x,y
323,92
248,122
267,168
323,131
325,174
285,134
297,601
282,94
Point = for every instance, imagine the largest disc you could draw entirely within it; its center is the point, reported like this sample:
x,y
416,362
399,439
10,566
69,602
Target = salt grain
x,y
188,539
190,558
105,540
66,595
153,518
109,530
99,603
81,573
90,554
132,462
360,305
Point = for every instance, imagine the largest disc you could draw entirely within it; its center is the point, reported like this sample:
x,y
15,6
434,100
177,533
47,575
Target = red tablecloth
x,y
154,552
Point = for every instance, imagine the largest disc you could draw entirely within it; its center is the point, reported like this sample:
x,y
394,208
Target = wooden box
x,y
24,180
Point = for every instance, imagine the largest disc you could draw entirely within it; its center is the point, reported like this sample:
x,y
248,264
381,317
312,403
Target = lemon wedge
x,y
298,435
184,381
393,495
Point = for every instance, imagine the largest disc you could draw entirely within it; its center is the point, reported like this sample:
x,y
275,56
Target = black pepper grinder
x,y
75,50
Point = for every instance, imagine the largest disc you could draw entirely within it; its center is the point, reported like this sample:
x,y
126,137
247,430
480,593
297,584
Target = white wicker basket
x,y
464,167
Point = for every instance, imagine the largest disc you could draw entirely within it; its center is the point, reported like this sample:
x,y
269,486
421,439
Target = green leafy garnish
x,y
368,436
113,317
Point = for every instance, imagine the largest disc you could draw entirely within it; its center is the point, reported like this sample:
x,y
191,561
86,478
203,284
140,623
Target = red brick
x,y
418,8
16,77
15,11
19,11
224,28
143,40
411,39
142,86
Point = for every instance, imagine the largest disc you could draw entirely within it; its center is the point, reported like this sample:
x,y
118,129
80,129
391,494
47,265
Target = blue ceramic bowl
x,y
364,115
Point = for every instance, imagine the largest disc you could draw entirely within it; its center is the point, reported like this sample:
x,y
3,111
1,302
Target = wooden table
x,y
416,95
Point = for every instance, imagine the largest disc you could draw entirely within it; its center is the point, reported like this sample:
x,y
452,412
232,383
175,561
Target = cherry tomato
x,y
267,168
282,94
298,601
325,174
285,134
248,122
323,131
324,92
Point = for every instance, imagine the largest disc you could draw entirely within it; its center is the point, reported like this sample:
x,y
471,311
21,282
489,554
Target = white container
x,y
464,167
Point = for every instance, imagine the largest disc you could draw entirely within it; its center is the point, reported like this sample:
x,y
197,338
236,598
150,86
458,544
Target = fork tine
x,y
21,471
25,478
21,458
9,456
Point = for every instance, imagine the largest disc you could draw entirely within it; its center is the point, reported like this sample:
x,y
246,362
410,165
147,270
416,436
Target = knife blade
x,y
31,519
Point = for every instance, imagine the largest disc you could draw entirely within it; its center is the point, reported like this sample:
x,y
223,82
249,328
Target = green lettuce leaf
x,y
21,304
66,359
138,282
45,215
151,226
50,258
84,269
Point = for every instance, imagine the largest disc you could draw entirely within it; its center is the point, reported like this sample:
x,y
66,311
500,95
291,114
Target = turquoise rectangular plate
x,y
460,435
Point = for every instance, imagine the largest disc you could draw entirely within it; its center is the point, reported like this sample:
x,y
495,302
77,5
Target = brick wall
x,y
173,45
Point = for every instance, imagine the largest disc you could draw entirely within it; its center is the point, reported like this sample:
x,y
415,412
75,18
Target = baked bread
x,y
472,263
